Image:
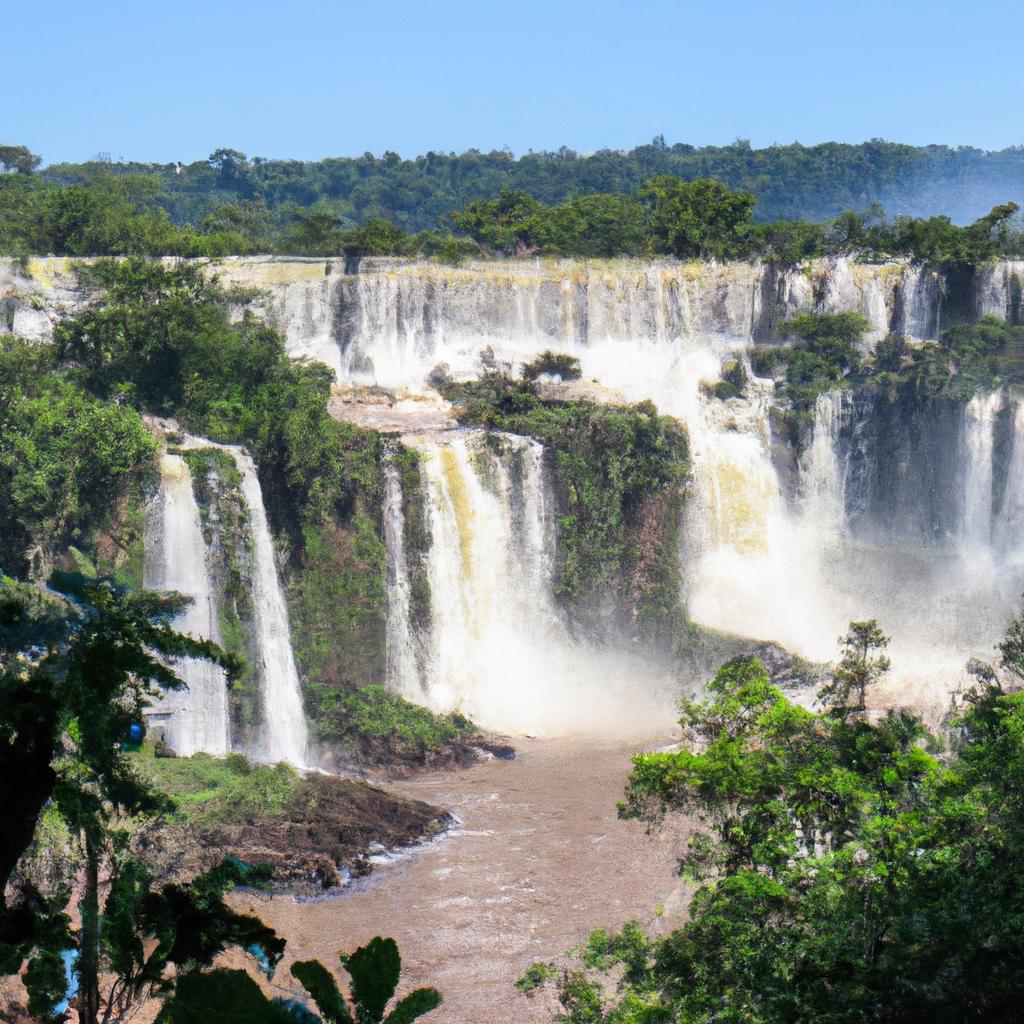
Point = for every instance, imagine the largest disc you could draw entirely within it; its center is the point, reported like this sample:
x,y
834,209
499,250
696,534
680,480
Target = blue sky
x,y
176,80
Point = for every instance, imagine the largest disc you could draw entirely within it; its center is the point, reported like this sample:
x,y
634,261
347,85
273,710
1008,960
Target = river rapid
x,y
538,860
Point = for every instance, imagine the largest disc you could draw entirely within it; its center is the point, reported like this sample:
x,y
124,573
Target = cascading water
x,y
790,555
1008,530
977,441
194,718
768,557
403,671
497,647
177,558
285,734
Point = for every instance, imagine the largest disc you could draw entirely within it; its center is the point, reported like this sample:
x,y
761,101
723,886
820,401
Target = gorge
x,y
905,515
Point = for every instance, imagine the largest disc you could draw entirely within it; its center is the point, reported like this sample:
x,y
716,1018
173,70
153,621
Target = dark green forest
x,y
784,203
791,182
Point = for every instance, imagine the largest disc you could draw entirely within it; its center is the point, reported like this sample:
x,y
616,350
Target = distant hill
x,y
790,182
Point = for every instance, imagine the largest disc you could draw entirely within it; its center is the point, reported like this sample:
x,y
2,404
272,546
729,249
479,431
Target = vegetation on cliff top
x,y
662,203
824,354
791,182
618,475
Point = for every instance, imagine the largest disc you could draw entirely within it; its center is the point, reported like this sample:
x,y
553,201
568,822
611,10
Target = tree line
x,y
102,209
791,182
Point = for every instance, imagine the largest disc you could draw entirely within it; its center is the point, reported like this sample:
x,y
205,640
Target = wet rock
x,y
322,833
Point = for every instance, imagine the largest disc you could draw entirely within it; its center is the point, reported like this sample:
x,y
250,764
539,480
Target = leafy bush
x,y
557,364
380,726
66,457
208,789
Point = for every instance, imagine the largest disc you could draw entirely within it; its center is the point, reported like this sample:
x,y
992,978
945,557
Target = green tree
x,y
700,218
76,676
502,223
847,874
858,669
189,922
19,159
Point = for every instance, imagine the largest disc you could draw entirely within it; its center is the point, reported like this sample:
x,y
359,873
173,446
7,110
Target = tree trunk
x,y
89,938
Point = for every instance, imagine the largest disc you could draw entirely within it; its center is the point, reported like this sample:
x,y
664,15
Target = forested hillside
x,y
790,182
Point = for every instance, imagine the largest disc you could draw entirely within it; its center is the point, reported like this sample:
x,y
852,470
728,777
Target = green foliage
x,y
848,875
65,457
337,602
702,218
969,358
74,677
791,182
655,200
224,997
824,354
380,726
208,790
617,473
19,159
858,667
374,970
733,382
190,923
163,337
557,364
536,976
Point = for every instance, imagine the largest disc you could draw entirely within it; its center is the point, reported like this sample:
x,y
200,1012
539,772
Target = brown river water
x,y
539,860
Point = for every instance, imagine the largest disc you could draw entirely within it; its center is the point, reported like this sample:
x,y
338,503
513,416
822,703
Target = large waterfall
x,y
178,558
785,554
196,717
917,522
497,647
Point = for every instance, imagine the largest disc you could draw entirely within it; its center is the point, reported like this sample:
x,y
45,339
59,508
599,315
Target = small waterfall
x,y
823,469
194,718
402,665
999,291
1009,525
754,563
285,736
919,303
498,648
977,443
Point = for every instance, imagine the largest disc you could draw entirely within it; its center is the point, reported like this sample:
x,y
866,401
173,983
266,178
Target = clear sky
x,y
174,80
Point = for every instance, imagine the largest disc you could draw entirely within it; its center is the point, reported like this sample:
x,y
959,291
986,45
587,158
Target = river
x,y
538,861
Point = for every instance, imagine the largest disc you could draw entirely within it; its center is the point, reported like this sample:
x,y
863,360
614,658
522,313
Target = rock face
x,y
322,835
388,321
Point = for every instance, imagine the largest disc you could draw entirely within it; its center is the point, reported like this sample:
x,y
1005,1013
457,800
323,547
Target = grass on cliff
x,y
380,727
206,790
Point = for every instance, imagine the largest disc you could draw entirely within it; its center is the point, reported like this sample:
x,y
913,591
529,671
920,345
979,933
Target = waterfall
x,y
1009,525
194,718
919,302
977,441
498,648
999,291
398,319
823,469
285,736
402,665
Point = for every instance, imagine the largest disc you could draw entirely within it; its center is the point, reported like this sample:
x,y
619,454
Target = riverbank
x,y
538,860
